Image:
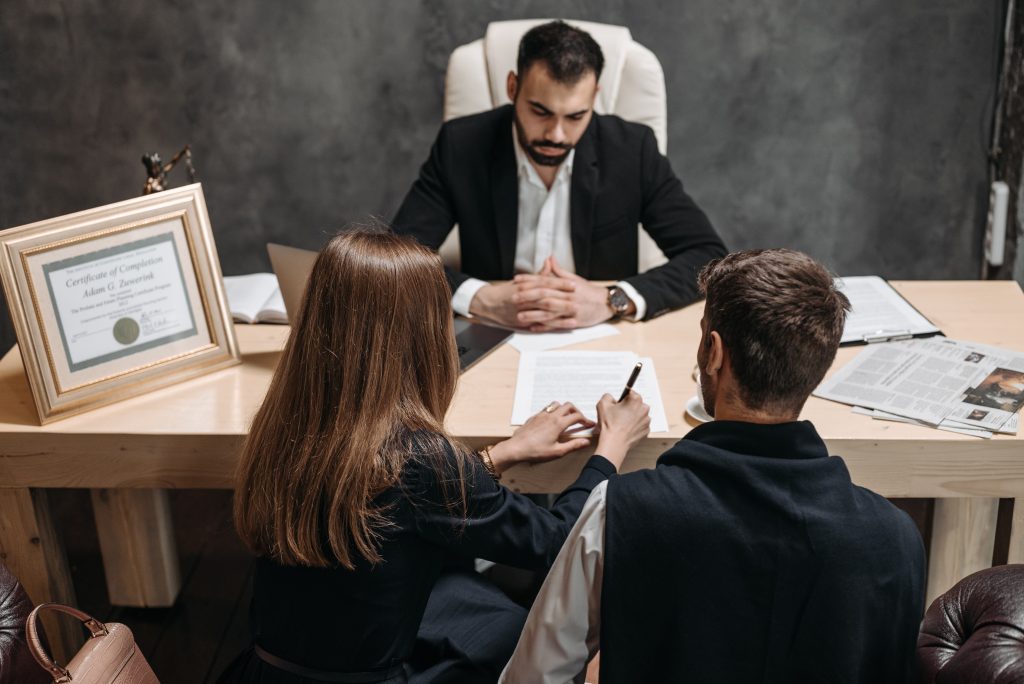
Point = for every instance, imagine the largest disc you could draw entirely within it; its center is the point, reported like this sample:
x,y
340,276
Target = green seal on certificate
x,y
126,330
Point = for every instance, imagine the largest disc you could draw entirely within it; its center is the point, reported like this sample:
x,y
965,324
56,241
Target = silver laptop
x,y
292,267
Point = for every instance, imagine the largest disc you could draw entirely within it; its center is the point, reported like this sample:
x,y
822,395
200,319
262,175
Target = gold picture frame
x,y
117,301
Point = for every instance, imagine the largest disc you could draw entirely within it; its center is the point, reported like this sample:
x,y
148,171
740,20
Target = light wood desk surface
x,y
189,435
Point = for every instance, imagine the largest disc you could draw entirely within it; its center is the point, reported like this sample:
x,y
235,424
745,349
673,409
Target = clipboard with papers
x,y
879,313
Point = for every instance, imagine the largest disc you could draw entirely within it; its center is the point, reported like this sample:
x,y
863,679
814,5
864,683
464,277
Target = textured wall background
x,y
852,129
1009,157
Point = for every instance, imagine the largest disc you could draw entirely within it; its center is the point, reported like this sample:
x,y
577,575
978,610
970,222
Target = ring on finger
x,y
551,407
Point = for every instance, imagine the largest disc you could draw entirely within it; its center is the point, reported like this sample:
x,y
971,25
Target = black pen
x,y
632,378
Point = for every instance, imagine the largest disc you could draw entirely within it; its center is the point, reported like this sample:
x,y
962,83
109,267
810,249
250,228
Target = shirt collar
x,y
525,168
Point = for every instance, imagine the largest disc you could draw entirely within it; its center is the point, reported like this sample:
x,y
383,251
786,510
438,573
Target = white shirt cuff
x,y
641,303
464,295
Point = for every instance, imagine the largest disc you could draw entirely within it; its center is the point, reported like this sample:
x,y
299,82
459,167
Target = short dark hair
x,y
567,51
781,318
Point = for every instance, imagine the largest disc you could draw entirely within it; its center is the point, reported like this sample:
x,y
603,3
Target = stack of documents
x,y
583,377
962,387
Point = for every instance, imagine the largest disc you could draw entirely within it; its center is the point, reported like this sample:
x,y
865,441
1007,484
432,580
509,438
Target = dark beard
x,y
531,148
706,396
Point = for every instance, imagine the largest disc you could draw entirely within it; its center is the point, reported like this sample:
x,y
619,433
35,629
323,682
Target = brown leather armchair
x,y
16,663
975,631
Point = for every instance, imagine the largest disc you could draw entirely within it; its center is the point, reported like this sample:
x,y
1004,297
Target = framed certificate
x,y
117,301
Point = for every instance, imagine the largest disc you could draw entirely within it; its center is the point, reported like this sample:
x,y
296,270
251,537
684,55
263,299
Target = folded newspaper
x,y
948,384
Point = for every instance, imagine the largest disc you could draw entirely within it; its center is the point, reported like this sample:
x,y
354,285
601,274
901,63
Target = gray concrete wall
x,y
850,129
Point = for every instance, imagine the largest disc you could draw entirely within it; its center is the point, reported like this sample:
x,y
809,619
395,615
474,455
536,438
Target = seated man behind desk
x,y
746,555
549,190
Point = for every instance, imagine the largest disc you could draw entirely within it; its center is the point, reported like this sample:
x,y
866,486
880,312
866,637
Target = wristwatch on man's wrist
x,y
618,301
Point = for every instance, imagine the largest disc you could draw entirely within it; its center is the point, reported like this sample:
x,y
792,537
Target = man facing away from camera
x,y
548,195
747,554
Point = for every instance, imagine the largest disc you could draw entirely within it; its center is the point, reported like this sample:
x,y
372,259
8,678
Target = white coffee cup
x,y
695,406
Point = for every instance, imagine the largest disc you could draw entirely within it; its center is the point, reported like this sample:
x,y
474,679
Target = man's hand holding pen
x,y
622,424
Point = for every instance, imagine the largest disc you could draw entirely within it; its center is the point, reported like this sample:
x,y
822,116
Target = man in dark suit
x,y
548,196
747,554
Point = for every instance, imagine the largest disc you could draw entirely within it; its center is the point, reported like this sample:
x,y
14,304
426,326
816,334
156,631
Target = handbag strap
x,y
35,643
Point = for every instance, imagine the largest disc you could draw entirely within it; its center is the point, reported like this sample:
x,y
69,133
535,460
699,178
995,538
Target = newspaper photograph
x,y
997,392
1003,389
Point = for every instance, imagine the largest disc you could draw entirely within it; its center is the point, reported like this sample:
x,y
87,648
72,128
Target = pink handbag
x,y
109,656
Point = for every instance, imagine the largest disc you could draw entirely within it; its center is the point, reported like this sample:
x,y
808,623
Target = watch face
x,y
618,300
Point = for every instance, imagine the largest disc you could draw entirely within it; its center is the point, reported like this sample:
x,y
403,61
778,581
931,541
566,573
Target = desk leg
x,y
1016,552
136,537
963,537
32,549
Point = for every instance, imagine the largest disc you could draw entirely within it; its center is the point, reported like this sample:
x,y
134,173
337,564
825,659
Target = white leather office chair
x,y
632,86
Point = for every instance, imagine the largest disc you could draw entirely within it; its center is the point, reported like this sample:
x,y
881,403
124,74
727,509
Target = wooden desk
x,y
189,436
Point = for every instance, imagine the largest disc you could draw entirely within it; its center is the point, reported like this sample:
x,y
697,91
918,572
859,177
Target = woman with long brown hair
x,y
359,505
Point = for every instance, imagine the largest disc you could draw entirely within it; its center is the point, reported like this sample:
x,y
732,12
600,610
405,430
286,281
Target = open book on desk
x,y
879,313
255,298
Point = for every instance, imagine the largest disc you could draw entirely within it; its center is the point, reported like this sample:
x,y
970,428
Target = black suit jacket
x,y
619,179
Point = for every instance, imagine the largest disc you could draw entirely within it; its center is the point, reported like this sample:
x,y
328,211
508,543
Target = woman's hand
x,y
622,424
543,437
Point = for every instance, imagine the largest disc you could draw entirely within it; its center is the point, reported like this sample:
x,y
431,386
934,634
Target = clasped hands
x,y
553,299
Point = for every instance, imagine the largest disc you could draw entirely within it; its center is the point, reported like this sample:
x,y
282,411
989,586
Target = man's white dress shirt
x,y
544,229
563,630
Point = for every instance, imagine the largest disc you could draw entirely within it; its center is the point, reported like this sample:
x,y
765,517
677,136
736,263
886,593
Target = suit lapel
x,y
581,197
505,196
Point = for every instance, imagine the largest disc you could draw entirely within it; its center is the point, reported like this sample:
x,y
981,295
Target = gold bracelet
x,y
485,454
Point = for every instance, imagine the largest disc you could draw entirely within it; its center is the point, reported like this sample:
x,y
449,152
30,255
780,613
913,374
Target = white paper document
x,y
552,340
879,312
583,377
647,387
